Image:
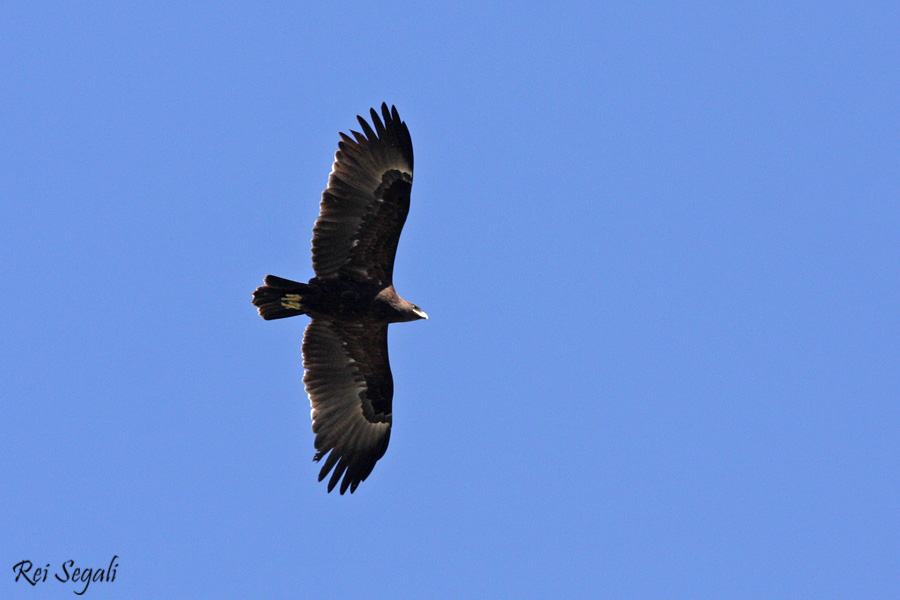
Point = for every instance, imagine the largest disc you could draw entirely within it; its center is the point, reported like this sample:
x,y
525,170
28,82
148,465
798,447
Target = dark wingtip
x,y
360,138
366,128
376,122
345,139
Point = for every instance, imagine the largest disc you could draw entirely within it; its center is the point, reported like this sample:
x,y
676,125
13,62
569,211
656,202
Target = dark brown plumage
x,y
351,299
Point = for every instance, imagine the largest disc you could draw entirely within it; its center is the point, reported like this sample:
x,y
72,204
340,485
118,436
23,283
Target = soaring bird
x,y
351,299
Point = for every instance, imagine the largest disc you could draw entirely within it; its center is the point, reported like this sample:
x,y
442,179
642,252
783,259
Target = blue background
x,y
659,247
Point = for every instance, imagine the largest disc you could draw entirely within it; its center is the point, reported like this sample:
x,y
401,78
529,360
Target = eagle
x,y
351,299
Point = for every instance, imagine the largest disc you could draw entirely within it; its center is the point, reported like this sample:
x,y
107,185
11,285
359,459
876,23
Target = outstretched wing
x,y
366,202
348,379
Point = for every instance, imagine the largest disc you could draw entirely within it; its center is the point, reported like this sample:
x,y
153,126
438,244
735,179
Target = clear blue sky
x,y
659,245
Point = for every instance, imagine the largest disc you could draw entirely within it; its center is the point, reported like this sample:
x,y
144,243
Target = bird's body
x,y
352,299
339,299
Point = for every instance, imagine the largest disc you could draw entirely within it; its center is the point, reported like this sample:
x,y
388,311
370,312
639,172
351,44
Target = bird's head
x,y
398,309
410,312
420,314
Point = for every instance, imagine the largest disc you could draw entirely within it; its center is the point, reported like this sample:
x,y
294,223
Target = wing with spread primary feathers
x,y
348,379
364,207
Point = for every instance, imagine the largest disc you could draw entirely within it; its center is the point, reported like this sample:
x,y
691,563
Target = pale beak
x,y
421,313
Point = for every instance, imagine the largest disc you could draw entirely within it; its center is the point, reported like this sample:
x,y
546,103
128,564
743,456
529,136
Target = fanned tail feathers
x,y
280,298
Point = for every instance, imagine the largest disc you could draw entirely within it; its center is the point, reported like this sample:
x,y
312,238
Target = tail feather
x,y
279,298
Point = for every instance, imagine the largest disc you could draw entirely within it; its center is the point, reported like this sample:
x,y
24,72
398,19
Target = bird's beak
x,y
421,313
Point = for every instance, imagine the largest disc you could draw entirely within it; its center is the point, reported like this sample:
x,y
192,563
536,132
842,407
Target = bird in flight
x,y
351,299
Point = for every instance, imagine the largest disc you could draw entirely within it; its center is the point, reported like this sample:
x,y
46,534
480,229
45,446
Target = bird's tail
x,y
280,298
